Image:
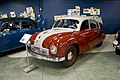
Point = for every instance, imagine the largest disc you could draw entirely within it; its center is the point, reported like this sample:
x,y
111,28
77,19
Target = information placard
x,y
25,38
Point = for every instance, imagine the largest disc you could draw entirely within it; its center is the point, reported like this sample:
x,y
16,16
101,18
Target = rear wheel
x,y
100,44
70,56
117,51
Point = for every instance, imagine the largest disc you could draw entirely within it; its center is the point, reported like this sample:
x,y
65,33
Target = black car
x,y
116,43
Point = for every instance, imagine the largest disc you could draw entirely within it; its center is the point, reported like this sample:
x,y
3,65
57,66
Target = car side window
x,y
84,25
71,23
17,25
93,24
8,25
4,26
26,24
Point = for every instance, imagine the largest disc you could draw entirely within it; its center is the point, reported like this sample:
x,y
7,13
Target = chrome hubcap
x,y
70,55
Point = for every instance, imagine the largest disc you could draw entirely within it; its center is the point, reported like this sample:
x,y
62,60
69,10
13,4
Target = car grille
x,y
41,51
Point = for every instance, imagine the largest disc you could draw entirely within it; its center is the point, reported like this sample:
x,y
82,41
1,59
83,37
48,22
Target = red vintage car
x,y
69,37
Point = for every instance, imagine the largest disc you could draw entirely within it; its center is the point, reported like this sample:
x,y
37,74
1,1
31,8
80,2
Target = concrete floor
x,y
97,64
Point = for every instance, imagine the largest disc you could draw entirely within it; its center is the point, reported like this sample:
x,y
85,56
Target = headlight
x,y
115,42
53,49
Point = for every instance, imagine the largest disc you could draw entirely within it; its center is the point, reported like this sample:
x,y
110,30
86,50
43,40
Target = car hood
x,y
45,34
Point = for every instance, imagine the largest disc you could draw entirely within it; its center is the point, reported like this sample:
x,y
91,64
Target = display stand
x,y
29,67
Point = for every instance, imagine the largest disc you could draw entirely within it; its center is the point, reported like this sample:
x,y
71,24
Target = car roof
x,y
82,18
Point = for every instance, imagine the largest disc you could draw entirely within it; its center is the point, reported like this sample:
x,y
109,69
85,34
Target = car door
x,y
4,42
17,29
95,33
4,37
14,32
84,36
25,27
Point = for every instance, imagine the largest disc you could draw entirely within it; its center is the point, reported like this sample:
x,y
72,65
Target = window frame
x,y
32,26
88,24
96,23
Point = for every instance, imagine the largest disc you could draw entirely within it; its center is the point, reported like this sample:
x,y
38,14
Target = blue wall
x,y
109,9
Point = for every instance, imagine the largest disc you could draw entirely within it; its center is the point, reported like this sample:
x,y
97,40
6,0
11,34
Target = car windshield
x,y
66,23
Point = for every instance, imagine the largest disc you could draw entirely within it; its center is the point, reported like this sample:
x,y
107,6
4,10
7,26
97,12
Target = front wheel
x,y
70,56
117,51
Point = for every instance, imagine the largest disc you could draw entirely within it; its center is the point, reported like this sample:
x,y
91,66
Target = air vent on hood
x,y
45,32
56,29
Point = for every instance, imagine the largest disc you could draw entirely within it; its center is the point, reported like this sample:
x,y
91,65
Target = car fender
x,y
62,42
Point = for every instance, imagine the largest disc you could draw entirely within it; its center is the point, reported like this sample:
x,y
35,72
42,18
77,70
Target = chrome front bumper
x,y
46,56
